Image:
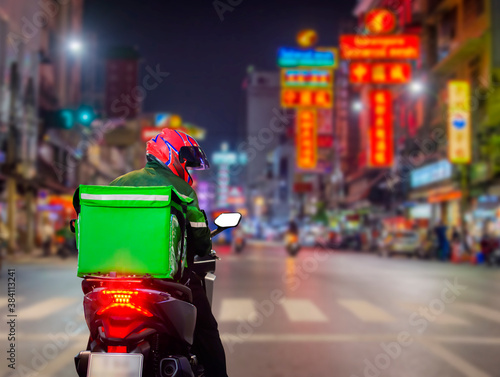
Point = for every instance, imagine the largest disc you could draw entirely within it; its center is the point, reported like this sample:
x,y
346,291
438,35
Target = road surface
x,y
320,314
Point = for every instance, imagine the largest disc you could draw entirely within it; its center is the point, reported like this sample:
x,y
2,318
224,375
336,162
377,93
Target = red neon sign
x,y
380,21
381,151
379,46
306,139
320,98
379,73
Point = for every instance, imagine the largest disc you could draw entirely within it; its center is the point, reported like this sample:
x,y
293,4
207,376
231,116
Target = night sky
x,y
207,58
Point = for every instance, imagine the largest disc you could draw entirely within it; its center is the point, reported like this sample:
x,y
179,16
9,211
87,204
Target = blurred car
x,y
351,241
405,242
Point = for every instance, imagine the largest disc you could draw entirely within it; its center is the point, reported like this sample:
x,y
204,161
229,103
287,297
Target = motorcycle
x,y
292,244
238,242
141,326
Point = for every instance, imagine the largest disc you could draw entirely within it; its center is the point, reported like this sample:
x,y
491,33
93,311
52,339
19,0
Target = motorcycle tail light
x,y
118,301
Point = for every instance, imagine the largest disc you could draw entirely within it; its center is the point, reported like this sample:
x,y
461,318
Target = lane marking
x,y
481,311
63,361
331,338
352,338
455,361
236,310
366,311
302,310
44,308
442,319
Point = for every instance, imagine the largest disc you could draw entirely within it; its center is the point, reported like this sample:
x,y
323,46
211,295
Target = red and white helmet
x,y
178,151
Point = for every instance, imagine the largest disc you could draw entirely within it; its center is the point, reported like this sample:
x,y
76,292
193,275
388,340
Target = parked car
x,y
404,242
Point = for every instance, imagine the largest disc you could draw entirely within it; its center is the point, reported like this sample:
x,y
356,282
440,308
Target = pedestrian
x,y
47,235
4,237
443,243
488,248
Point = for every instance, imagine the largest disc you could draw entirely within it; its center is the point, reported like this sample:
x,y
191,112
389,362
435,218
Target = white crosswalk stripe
x,y
441,319
236,310
481,311
302,310
45,308
366,311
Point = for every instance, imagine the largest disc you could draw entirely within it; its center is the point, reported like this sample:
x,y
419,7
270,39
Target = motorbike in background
x,y
292,244
141,326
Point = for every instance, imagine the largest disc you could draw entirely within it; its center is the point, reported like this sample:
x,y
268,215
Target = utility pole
x,y
12,158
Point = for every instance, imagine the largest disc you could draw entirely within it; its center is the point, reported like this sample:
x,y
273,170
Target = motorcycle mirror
x,y
228,220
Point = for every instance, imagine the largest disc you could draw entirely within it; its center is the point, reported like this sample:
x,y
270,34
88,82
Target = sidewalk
x,y
36,256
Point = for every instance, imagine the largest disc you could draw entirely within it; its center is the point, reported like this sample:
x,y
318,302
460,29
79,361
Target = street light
x,y
357,106
75,46
416,87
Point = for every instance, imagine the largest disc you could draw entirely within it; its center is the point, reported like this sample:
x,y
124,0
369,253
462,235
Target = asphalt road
x,y
320,314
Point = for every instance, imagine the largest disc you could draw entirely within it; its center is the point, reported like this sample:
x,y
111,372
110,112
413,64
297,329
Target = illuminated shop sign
x,y
381,151
306,139
320,98
306,78
379,46
459,122
380,21
379,73
432,173
296,57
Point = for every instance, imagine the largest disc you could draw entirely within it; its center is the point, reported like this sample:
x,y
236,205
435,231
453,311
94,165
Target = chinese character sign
x,y
381,149
306,78
320,98
379,73
459,122
306,139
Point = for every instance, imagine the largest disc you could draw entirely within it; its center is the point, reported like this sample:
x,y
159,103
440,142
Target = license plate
x,y
115,365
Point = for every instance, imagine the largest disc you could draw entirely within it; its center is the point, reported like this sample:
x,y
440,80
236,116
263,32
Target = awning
x,y
361,196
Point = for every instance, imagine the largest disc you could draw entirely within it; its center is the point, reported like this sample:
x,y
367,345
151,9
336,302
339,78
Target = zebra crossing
x,y
296,310
305,310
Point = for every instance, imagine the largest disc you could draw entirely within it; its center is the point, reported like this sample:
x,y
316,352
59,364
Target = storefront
x,y
437,198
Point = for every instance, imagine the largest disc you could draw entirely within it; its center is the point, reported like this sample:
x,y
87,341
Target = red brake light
x,y
124,299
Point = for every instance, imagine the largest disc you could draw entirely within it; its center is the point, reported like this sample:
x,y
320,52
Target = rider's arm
x,y
199,233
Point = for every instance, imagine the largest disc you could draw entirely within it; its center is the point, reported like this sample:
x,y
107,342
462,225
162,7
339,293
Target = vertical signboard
x,y
381,133
306,138
459,122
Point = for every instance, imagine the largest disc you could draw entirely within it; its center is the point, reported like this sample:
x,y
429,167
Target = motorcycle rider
x,y
169,154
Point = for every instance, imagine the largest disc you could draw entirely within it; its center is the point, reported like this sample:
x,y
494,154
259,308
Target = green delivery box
x,y
131,231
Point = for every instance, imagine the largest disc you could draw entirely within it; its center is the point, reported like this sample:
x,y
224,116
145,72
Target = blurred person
x,y
469,243
4,239
292,244
238,239
488,246
443,243
47,233
169,155
66,243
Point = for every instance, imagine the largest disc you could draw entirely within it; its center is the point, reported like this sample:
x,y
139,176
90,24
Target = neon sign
x,y
296,57
379,47
459,122
381,151
306,139
379,73
380,21
291,77
319,98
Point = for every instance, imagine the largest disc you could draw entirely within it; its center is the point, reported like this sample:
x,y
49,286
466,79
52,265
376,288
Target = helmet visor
x,y
195,158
